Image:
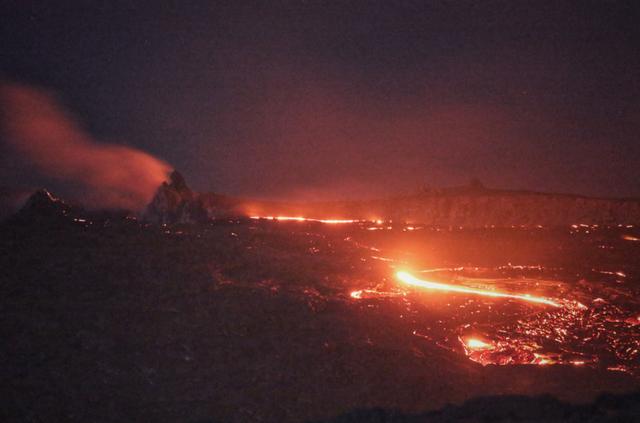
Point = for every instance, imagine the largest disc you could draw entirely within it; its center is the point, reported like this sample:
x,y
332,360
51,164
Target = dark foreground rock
x,y
511,408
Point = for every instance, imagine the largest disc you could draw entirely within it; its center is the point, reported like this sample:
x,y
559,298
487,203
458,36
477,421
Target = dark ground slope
x,y
116,322
511,408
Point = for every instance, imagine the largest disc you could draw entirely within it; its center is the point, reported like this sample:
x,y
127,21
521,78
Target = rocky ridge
x,y
175,202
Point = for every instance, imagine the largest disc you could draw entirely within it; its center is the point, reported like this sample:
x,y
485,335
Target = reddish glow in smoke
x,y
42,132
411,280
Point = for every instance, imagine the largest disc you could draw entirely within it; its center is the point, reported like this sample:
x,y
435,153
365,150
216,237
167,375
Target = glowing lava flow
x,y
305,219
411,280
476,344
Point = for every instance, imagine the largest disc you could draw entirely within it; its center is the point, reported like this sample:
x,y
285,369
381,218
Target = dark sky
x,y
346,98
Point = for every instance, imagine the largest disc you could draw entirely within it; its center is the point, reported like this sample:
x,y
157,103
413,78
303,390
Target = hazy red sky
x,y
346,98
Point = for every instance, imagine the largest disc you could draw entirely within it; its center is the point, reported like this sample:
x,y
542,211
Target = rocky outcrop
x,y
44,208
42,205
175,202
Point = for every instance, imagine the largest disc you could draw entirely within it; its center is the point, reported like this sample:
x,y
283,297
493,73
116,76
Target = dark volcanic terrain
x,y
106,319
472,206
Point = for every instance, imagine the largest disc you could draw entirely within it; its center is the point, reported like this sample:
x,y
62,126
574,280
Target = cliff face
x,y
508,209
479,209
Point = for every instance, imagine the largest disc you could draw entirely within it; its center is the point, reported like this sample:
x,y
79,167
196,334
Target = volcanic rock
x,y
175,202
42,205
512,408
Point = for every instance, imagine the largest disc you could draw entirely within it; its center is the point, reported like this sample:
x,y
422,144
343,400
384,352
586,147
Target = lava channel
x,y
409,279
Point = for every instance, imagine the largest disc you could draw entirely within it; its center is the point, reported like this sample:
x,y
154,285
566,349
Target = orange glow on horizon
x,y
305,219
630,238
411,280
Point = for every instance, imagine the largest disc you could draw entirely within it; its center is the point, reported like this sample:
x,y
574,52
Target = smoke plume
x,y
42,132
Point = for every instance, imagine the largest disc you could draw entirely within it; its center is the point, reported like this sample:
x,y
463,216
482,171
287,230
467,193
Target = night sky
x,y
315,99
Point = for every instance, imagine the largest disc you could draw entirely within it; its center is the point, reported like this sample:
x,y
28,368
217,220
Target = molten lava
x,y
476,344
411,280
305,219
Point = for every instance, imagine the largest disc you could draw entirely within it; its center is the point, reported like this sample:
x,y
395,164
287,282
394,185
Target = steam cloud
x,y
41,131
